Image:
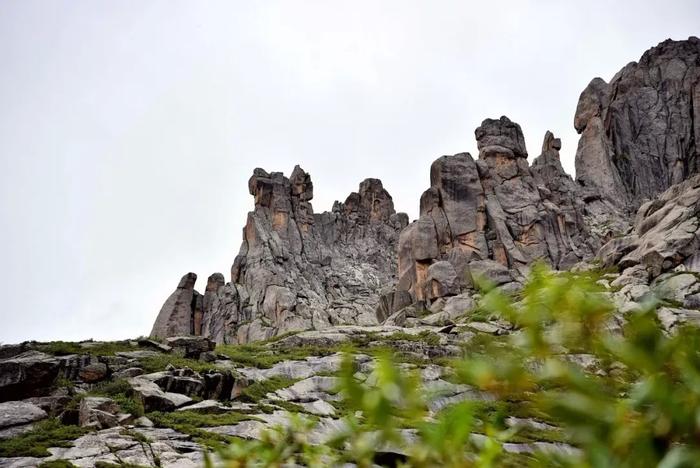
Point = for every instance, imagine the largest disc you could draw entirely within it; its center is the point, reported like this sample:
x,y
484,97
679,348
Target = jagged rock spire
x,y
176,317
491,210
296,269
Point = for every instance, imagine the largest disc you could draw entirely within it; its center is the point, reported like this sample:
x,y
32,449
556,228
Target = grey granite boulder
x,y
155,399
101,413
27,374
666,232
190,346
17,417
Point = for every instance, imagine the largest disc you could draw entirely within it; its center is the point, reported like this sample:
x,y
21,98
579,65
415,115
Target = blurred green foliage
x,y
617,389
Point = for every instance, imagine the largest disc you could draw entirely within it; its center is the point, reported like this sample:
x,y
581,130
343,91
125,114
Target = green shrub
x,y
57,464
160,361
263,357
104,464
427,337
637,405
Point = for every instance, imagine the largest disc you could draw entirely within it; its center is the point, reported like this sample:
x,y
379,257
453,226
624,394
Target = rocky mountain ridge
x,y
493,216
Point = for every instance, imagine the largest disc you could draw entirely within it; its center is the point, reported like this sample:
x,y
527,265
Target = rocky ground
x,y
149,403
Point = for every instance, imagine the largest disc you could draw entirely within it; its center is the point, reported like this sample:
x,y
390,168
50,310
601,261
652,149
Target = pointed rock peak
x,y
215,281
371,203
500,133
374,188
176,317
549,156
630,150
592,102
551,144
187,281
302,186
281,194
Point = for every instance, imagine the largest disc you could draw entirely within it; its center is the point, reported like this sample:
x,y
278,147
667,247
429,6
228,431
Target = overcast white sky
x,y
128,129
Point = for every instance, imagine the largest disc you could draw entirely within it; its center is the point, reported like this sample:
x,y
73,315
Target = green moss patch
x,y
57,464
190,422
258,390
64,348
159,362
45,434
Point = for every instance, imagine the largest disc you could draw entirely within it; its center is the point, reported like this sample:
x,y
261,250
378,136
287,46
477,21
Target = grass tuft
x,y
45,434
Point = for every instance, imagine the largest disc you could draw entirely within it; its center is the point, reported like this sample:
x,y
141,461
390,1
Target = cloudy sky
x,y
128,129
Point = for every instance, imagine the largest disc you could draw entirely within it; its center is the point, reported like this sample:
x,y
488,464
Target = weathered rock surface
x,y
101,413
16,417
94,372
296,270
640,132
27,374
496,209
488,218
164,448
190,346
295,369
155,399
666,233
176,317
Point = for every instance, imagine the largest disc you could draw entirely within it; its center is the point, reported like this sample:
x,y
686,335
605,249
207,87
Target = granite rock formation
x,y
666,234
488,217
296,269
494,212
177,316
640,132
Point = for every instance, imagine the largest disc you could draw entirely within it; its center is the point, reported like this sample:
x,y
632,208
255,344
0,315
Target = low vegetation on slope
x,y
618,390
557,374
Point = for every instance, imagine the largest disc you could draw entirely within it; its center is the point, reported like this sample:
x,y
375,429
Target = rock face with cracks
x,y
296,269
640,132
487,217
495,209
666,234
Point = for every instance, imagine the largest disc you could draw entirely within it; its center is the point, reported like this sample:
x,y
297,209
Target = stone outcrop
x,y
489,217
101,413
296,269
16,417
177,316
27,374
666,233
640,132
496,208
